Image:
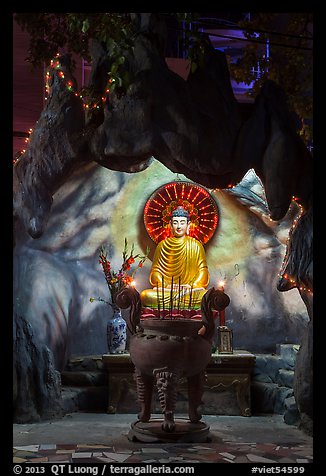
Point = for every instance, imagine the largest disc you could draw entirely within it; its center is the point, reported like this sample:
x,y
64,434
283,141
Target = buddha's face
x,y
180,226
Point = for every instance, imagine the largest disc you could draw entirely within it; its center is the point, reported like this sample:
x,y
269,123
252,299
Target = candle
x,y
220,285
221,313
163,292
222,318
179,288
158,301
171,297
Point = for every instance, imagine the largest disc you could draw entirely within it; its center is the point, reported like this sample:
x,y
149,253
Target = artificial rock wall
x,y
55,275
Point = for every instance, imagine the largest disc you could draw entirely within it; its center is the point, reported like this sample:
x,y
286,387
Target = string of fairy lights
x,y
290,279
21,152
294,224
56,65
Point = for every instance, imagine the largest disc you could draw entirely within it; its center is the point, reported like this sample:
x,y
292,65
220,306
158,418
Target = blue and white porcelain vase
x,y
117,333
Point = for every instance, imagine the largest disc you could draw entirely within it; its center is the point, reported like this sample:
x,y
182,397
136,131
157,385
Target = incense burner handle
x,y
130,297
213,299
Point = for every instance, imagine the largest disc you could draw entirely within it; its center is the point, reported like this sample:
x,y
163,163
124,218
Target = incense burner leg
x,y
195,393
166,382
145,385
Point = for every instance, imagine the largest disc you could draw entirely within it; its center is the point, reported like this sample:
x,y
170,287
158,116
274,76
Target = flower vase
x,y
117,333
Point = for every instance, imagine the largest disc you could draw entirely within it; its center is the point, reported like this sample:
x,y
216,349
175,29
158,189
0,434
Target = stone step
x,y
89,399
84,378
85,383
285,378
269,397
86,362
291,414
69,400
287,352
268,366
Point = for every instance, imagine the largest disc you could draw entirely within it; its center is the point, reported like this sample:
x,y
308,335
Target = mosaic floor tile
x,y
181,453
154,450
202,448
299,451
17,459
241,459
122,451
227,455
81,454
116,456
132,459
286,460
58,458
27,448
66,447
103,459
45,459
48,447
26,455
254,458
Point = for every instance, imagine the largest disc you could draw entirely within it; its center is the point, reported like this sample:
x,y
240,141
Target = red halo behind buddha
x,y
198,202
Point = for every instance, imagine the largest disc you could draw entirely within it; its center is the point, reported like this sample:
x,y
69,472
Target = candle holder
x,y
224,334
224,340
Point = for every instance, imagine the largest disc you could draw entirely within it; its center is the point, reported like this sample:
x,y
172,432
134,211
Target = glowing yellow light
x,y
221,285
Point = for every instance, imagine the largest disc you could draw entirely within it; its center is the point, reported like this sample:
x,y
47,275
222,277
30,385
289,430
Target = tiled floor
x,y
100,438
176,453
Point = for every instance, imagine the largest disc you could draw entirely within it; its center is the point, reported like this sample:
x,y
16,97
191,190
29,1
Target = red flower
x,y
118,280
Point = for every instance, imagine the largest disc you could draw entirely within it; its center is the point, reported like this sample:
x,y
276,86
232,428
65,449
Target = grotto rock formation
x,y
36,382
192,126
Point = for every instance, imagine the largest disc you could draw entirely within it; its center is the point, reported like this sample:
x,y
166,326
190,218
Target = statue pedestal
x,y
185,432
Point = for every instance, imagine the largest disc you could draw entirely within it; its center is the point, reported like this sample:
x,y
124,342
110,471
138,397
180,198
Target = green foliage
x,y
289,62
51,33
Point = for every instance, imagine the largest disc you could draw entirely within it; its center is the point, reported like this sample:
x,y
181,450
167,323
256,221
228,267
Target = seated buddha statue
x,y
179,273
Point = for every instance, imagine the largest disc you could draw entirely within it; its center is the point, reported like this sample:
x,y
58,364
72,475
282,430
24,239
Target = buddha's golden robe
x,y
183,259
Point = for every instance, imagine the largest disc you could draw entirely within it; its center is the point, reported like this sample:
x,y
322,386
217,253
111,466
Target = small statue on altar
x,y
179,274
